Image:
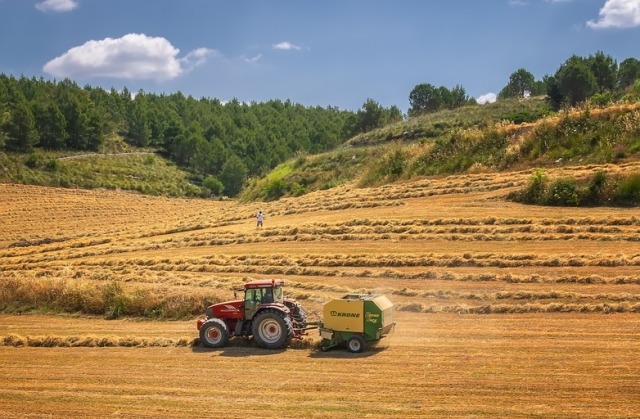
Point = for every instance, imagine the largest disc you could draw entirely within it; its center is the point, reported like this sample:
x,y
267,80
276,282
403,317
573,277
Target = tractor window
x,y
267,295
277,294
264,295
253,295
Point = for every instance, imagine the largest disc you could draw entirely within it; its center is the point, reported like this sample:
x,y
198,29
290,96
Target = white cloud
x,y
197,57
253,59
518,3
617,14
287,46
134,56
57,5
487,98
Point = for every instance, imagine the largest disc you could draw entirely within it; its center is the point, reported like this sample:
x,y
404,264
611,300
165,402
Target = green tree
x,y
20,128
457,97
393,114
628,72
84,124
424,98
445,98
554,94
605,70
521,83
538,88
4,111
139,132
370,116
51,125
208,156
233,175
576,80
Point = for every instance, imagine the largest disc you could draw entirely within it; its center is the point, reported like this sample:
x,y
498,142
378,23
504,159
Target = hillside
x,y
481,139
507,135
498,302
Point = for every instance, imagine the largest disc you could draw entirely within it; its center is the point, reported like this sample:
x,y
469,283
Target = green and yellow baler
x,y
356,319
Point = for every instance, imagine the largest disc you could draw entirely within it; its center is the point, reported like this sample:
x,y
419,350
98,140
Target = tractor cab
x,y
258,293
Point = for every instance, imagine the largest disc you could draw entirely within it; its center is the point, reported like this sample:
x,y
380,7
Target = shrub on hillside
x,y
388,168
602,99
596,192
192,190
213,185
536,190
33,161
52,165
628,190
394,163
275,189
298,189
563,192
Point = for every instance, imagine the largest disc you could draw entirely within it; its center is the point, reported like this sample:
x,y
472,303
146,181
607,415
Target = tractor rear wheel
x,y
299,317
356,344
214,334
272,329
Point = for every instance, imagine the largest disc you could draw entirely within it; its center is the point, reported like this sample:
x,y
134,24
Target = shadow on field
x,y
340,352
237,347
242,347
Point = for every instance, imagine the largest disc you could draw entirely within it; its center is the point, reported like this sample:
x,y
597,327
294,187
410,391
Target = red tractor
x,y
264,313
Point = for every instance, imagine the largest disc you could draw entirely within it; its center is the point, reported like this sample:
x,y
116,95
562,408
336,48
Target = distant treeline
x,y
598,77
209,138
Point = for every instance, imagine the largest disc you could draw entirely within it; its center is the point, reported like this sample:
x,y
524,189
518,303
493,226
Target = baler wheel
x,y
356,344
214,334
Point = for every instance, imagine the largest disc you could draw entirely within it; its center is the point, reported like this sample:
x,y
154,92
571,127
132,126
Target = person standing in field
x,y
260,218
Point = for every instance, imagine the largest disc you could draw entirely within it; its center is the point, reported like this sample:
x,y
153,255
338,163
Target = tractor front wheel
x,y
272,329
214,334
356,344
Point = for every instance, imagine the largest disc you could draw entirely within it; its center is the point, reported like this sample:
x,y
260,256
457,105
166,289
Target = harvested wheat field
x,y
503,309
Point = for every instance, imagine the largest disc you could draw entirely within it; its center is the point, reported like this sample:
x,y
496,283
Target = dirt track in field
x,y
503,309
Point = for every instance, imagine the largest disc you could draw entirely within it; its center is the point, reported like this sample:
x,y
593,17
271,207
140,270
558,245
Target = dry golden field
x,y
504,310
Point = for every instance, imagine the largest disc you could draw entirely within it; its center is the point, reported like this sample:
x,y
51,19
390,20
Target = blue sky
x,y
325,53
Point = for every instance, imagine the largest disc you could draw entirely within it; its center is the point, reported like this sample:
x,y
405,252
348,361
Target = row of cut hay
x,y
167,275
339,204
94,341
512,278
603,308
134,273
162,272
519,295
91,341
430,260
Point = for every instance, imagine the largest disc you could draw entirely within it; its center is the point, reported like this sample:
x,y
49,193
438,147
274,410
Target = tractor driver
x,y
267,297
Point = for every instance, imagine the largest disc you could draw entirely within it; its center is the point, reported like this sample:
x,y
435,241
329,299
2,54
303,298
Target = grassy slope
x,y
437,124
116,166
471,140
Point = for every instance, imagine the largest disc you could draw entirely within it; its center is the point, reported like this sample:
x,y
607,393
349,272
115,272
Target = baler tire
x,y
214,334
356,344
272,329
